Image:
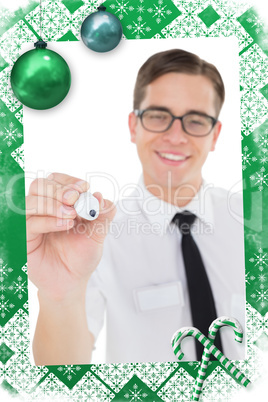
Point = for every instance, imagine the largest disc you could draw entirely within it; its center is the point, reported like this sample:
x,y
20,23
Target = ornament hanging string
x,y
40,20
40,43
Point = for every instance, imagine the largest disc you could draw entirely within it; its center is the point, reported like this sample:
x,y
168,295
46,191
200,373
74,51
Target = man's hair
x,y
176,61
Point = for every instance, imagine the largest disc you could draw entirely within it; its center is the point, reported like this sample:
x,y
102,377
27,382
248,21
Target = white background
x,y
87,134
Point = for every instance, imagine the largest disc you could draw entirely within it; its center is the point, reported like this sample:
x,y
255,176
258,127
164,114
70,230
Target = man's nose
x,y
176,132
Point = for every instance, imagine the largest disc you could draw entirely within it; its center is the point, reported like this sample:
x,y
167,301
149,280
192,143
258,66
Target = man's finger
x,y
67,194
65,179
37,205
46,224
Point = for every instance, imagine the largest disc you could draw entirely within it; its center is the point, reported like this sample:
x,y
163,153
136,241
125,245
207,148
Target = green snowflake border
x,y
140,20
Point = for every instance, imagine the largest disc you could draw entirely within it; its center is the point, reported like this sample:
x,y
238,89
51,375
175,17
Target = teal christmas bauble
x,y
101,31
40,78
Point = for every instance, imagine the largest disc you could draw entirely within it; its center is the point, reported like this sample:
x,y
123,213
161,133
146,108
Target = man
x,y
141,279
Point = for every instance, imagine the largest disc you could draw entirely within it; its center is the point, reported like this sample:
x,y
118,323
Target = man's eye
x,y
197,122
157,116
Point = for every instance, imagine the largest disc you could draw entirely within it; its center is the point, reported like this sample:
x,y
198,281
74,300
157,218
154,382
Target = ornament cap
x,y
40,44
101,8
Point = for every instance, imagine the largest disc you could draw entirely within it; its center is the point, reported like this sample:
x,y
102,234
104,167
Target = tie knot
x,y
184,221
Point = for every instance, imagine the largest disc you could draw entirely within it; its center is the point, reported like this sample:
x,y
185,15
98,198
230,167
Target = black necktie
x,y
201,298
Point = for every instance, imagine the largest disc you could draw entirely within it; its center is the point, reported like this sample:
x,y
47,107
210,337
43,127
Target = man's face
x,y
180,93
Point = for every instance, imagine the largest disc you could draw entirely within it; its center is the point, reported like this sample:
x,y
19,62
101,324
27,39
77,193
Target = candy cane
x,y
213,329
192,331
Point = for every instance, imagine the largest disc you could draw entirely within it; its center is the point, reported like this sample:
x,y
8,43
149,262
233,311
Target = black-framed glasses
x,y
160,120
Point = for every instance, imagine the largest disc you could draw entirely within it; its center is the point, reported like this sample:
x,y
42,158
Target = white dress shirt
x,y
141,281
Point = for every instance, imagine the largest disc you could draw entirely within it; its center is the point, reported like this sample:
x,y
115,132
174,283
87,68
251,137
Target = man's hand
x,y
63,249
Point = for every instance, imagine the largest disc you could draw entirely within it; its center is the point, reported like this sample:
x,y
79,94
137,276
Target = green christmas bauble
x,y
40,78
101,31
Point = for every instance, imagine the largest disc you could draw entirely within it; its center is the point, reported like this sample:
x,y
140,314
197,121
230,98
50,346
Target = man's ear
x,y
216,133
132,124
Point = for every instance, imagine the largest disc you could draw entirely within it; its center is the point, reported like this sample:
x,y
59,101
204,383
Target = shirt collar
x,y
162,212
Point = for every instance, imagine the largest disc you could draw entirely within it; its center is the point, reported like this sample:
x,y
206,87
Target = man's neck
x,y
178,196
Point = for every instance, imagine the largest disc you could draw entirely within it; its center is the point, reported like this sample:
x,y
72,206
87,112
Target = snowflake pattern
x,y
4,271
115,375
12,40
92,390
53,16
261,296
159,11
249,278
178,387
260,179
263,140
10,134
253,68
253,110
6,306
18,155
69,371
256,22
140,20
168,381
6,95
121,8
260,259
139,29
223,388
247,158
19,115
135,394
258,280
19,287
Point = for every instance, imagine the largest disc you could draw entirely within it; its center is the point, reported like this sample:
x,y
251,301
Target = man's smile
x,y
172,158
